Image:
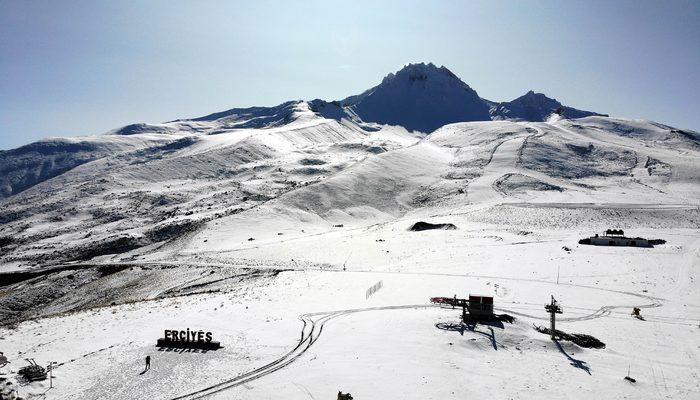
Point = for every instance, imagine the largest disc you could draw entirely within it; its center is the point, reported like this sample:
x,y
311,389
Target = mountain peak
x,y
424,97
535,107
413,72
420,97
532,96
423,68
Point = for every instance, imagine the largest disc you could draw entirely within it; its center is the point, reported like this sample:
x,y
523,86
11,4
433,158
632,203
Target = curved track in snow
x,y
312,328
310,332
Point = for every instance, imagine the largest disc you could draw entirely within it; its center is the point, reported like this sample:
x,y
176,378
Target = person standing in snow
x,y
148,363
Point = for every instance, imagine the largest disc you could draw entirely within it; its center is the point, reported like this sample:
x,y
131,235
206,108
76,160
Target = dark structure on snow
x,y
33,372
616,237
425,226
475,308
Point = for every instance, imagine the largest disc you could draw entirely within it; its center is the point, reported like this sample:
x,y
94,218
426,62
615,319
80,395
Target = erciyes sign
x,y
188,339
188,335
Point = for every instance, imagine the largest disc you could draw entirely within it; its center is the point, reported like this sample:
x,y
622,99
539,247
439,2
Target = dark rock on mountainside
x,y
425,226
135,129
253,117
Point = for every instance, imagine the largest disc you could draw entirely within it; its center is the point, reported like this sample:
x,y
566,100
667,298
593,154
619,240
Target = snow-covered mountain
x,y
256,223
535,107
423,97
419,97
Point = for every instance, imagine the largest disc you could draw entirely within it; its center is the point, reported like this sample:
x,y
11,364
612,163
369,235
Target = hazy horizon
x,y
78,68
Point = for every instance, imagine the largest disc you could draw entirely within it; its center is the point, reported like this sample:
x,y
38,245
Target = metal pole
x,y
552,321
553,308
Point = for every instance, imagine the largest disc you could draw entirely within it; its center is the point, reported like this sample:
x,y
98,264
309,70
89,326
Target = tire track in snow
x,y
311,330
503,159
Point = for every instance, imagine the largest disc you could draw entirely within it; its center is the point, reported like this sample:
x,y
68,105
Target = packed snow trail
x,y
310,332
504,160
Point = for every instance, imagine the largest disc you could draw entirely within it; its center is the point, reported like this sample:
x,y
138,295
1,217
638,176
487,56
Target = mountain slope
x,y
34,163
312,175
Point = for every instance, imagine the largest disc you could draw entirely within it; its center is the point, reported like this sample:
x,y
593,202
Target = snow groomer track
x,y
310,332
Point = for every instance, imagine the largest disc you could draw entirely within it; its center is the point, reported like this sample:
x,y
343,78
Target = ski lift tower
x,y
553,309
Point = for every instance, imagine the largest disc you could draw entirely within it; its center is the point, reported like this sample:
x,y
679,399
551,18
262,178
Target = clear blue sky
x,y
84,67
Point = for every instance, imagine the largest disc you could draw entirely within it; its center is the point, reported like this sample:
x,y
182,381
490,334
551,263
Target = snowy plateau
x,y
267,226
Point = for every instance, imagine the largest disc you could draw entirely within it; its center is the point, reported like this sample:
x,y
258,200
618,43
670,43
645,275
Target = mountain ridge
x,y
419,97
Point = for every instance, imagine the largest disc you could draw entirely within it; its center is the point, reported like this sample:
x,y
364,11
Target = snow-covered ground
x,y
266,227
392,344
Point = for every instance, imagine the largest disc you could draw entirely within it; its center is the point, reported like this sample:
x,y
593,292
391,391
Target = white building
x,y
615,237
618,241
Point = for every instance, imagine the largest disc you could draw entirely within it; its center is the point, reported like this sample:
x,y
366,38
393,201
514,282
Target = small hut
x,y
480,306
